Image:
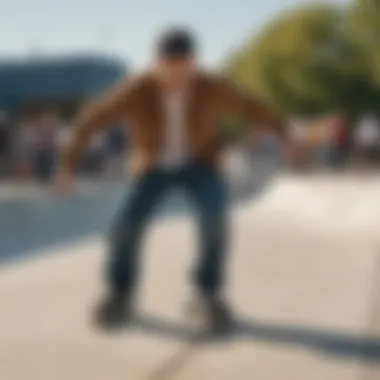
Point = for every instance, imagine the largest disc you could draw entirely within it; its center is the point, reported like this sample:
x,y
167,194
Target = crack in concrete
x,y
171,368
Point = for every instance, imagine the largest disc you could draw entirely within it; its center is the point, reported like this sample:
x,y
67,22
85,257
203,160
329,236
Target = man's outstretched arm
x,y
98,115
253,110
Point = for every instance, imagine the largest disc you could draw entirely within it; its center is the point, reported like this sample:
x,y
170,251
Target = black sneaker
x,y
113,313
212,310
219,314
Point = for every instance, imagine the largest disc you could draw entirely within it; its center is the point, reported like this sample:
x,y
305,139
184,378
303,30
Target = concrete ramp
x,y
305,281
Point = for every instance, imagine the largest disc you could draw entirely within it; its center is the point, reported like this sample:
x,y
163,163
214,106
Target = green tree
x,y
363,28
307,61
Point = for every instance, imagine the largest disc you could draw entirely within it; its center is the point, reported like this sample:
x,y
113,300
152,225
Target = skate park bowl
x,y
304,283
43,219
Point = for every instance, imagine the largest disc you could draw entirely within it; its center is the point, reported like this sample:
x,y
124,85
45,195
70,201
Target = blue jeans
x,y
206,189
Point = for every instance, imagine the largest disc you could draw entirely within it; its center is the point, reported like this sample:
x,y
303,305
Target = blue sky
x,y
128,27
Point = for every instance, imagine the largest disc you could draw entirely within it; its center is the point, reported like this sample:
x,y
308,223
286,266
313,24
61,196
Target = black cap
x,y
176,42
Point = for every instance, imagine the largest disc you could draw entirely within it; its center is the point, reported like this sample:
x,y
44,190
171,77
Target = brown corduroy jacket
x,y
138,102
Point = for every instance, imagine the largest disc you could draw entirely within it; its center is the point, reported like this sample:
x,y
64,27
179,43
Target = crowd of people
x,y
30,147
329,142
333,142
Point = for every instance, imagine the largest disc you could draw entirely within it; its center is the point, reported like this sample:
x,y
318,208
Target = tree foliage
x,y
315,59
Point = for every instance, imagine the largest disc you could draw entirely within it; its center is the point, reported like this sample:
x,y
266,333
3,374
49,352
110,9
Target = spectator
x,y
323,147
367,139
64,135
95,155
46,143
23,149
271,147
340,140
298,136
5,144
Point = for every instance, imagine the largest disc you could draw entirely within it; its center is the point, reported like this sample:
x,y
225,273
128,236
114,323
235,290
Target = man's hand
x,y
63,183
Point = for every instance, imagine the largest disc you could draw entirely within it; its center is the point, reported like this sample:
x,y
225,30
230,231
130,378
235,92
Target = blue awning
x,y
57,79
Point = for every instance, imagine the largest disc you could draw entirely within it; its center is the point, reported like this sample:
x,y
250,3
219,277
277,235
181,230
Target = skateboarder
x,y
174,112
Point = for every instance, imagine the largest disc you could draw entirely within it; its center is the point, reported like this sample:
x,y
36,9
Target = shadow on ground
x,y
340,344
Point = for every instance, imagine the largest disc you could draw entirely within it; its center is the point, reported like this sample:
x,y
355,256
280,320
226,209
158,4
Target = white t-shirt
x,y
64,136
298,131
368,132
174,152
25,141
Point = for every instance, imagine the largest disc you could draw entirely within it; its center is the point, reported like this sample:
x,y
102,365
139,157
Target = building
x,y
62,83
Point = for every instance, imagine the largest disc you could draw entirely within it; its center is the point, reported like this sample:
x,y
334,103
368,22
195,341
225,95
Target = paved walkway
x,y
305,280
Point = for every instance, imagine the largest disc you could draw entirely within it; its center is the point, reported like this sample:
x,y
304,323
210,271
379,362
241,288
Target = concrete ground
x,y
305,282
